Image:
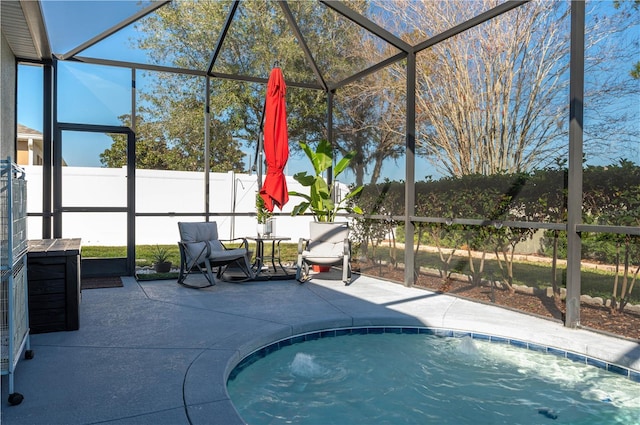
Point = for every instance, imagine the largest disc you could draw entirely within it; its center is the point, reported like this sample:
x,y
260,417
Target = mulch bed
x,y
594,317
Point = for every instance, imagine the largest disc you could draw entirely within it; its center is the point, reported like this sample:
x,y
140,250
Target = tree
x,y
544,200
377,199
490,100
170,116
259,37
446,238
151,151
371,118
494,98
341,52
631,6
612,196
176,142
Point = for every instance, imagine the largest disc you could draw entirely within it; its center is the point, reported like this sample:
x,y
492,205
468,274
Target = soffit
x,y
23,28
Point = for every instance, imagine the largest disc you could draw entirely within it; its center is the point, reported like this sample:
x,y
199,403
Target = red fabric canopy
x,y
276,142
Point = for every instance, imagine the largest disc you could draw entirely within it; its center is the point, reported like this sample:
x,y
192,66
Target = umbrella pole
x,y
260,159
259,148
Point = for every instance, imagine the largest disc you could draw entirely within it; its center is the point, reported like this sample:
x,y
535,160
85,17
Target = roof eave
x,y
34,21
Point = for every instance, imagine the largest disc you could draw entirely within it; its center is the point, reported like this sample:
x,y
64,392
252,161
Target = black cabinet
x,y
53,273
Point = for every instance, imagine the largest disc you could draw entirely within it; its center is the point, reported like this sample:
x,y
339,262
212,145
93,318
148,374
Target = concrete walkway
x,y
159,353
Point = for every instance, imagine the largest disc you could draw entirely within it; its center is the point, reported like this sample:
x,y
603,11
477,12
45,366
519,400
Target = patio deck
x,y
158,353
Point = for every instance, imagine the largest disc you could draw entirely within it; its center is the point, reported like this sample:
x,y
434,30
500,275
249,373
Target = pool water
x,y
418,379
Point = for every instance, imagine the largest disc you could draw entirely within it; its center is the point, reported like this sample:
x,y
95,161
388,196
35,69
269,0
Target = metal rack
x,y
14,314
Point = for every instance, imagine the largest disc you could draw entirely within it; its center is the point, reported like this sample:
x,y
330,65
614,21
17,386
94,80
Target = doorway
x,y
94,195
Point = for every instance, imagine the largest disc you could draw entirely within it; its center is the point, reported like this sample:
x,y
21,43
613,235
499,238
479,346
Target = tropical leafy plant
x,y
321,198
262,213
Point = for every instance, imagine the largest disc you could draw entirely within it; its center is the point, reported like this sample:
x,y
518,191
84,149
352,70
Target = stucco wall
x,y
7,94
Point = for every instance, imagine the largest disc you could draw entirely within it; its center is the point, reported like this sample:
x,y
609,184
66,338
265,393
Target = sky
x,y
99,98
98,95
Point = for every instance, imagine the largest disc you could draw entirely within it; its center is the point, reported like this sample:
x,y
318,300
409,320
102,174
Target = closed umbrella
x,y
276,142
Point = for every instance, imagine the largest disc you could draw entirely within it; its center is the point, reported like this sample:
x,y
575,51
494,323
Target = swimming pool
x,y
411,375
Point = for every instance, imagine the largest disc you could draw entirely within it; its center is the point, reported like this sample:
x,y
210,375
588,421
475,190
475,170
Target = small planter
x,y
161,263
265,218
319,269
265,229
163,267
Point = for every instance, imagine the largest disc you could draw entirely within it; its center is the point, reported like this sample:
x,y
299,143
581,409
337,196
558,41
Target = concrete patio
x,y
159,353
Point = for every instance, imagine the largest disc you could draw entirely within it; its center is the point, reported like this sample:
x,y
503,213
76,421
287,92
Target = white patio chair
x,y
328,245
200,249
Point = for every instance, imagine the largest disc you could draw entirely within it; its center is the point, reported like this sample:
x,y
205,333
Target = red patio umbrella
x,y
276,142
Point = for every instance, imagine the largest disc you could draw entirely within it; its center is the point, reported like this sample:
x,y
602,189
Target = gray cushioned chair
x,y
327,245
200,249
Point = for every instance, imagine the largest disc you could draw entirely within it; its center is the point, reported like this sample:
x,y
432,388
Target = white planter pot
x,y
265,229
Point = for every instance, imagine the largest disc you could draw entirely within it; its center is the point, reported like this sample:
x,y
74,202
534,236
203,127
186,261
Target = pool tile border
x,y
440,332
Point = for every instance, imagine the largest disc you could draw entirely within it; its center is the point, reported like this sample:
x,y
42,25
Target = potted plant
x,y
321,198
264,217
161,263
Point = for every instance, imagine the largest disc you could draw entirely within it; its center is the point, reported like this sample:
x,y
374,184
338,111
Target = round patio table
x,y
270,266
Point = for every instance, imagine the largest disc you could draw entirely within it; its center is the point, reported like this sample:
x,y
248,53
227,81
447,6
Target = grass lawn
x,y
596,283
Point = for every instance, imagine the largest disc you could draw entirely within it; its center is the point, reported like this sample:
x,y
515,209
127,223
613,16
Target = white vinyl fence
x,y
156,192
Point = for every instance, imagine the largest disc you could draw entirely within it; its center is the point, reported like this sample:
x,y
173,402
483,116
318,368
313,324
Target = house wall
x,y
22,156
8,96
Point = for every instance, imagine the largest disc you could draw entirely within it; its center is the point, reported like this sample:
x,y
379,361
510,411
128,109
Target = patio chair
x,y
200,249
328,245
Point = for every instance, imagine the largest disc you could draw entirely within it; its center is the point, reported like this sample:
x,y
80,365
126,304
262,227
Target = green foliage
x,y
596,283
611,197
175,141
157,276
612,194
546,244
377,199
635,72
259,37
321,198
632,7
262,213
170,119
144,253
160,255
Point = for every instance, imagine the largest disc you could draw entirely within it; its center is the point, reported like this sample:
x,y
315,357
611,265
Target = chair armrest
x,y
244,244
302,244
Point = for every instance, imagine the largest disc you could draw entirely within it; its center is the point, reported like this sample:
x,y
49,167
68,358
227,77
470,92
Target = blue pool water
x,y
417,379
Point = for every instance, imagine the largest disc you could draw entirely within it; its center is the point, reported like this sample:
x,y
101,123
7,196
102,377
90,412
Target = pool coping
x,y
439,332
283,337
375,304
